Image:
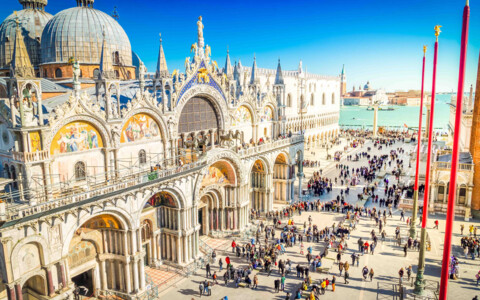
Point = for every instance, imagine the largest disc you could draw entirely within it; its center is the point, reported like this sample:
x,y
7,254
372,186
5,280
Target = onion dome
x,y
78,32
32,19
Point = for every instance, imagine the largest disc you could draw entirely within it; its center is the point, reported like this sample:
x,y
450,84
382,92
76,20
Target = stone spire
x,y
162,70
106,66
279,74
300,67
228,65
21,66
475,146
253,77
343,70
236,72
34,4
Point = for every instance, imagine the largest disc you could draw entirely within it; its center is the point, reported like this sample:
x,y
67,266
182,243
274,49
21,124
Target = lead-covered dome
x,y
32,19
78,32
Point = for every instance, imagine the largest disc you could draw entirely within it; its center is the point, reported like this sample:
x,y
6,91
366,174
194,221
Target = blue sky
x,y
380,41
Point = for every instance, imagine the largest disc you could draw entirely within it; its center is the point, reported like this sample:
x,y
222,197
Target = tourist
x,y
276,285
333,283
282,282
461,229
370,274
365,273
400,274
220,263
205,287
200,288
409,272
215,277
207,268
436,224
209,288
346,276
255,282
234,245
340,268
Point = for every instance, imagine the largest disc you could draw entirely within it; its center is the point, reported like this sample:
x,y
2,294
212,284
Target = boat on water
x,y
384,108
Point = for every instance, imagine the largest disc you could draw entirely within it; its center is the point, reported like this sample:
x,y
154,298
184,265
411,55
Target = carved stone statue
x,y
76,71
200,28
142,70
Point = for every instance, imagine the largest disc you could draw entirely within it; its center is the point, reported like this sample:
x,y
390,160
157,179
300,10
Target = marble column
x,y
18,290
51,290
135,276
63,276
11,292
142,273
103,272
128,283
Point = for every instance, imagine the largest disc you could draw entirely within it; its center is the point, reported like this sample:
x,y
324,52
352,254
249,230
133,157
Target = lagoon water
x,y
359,116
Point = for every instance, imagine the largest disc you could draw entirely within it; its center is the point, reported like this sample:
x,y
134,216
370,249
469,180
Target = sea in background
x,y
359,116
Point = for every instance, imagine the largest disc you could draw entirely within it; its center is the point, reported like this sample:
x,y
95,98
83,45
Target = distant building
x,y
410,98
366,96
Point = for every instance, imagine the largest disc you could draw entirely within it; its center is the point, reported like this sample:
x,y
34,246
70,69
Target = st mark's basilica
x,y
109,169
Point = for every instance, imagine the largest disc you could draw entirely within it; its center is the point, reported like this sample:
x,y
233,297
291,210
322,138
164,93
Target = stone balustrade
x,y
27,157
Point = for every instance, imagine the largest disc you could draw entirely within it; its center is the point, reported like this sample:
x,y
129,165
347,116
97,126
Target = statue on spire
x,y
200,32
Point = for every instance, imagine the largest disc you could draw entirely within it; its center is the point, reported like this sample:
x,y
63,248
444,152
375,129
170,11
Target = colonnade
x,y
282,183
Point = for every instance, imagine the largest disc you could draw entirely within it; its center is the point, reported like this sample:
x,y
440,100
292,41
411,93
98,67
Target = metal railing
x,y
17,211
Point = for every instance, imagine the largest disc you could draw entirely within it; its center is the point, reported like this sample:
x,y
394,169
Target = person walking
x,y
405,249
436,225
409,272
282,282
334,279
255,282
477,276
400,274
215,277
346,276
220,264
207,268
365,273
277,285
200,288
461,229
340,268
370,274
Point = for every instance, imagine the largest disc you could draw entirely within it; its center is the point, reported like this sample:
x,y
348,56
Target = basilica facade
x,y
115,175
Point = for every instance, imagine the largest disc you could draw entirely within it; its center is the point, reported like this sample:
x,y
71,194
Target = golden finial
x,y
466,3
424,49
437,31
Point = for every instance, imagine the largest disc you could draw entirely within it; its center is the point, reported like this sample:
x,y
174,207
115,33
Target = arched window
x,y
323,99
116,58
80,171
142,157
333,98
289,100
198,114
96,72
58,73
312,100
129,75
117,74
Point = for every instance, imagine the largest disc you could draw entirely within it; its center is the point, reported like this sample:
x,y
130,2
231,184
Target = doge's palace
x,y
106,175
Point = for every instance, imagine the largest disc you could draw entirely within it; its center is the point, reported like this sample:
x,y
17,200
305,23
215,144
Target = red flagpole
x,y
419,134
453,171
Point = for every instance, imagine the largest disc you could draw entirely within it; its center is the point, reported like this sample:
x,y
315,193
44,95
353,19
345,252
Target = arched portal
x,y
216,210
168,219
282,180
34,288
96,256
260,199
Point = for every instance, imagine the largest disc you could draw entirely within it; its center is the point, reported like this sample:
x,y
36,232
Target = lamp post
x,y
419,281
455,151
417,163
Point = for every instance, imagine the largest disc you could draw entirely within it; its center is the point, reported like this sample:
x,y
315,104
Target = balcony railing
x,y
447,166
45,198
268,146
31,156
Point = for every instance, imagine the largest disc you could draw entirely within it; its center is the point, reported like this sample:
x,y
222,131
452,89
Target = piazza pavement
x,y
386,262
